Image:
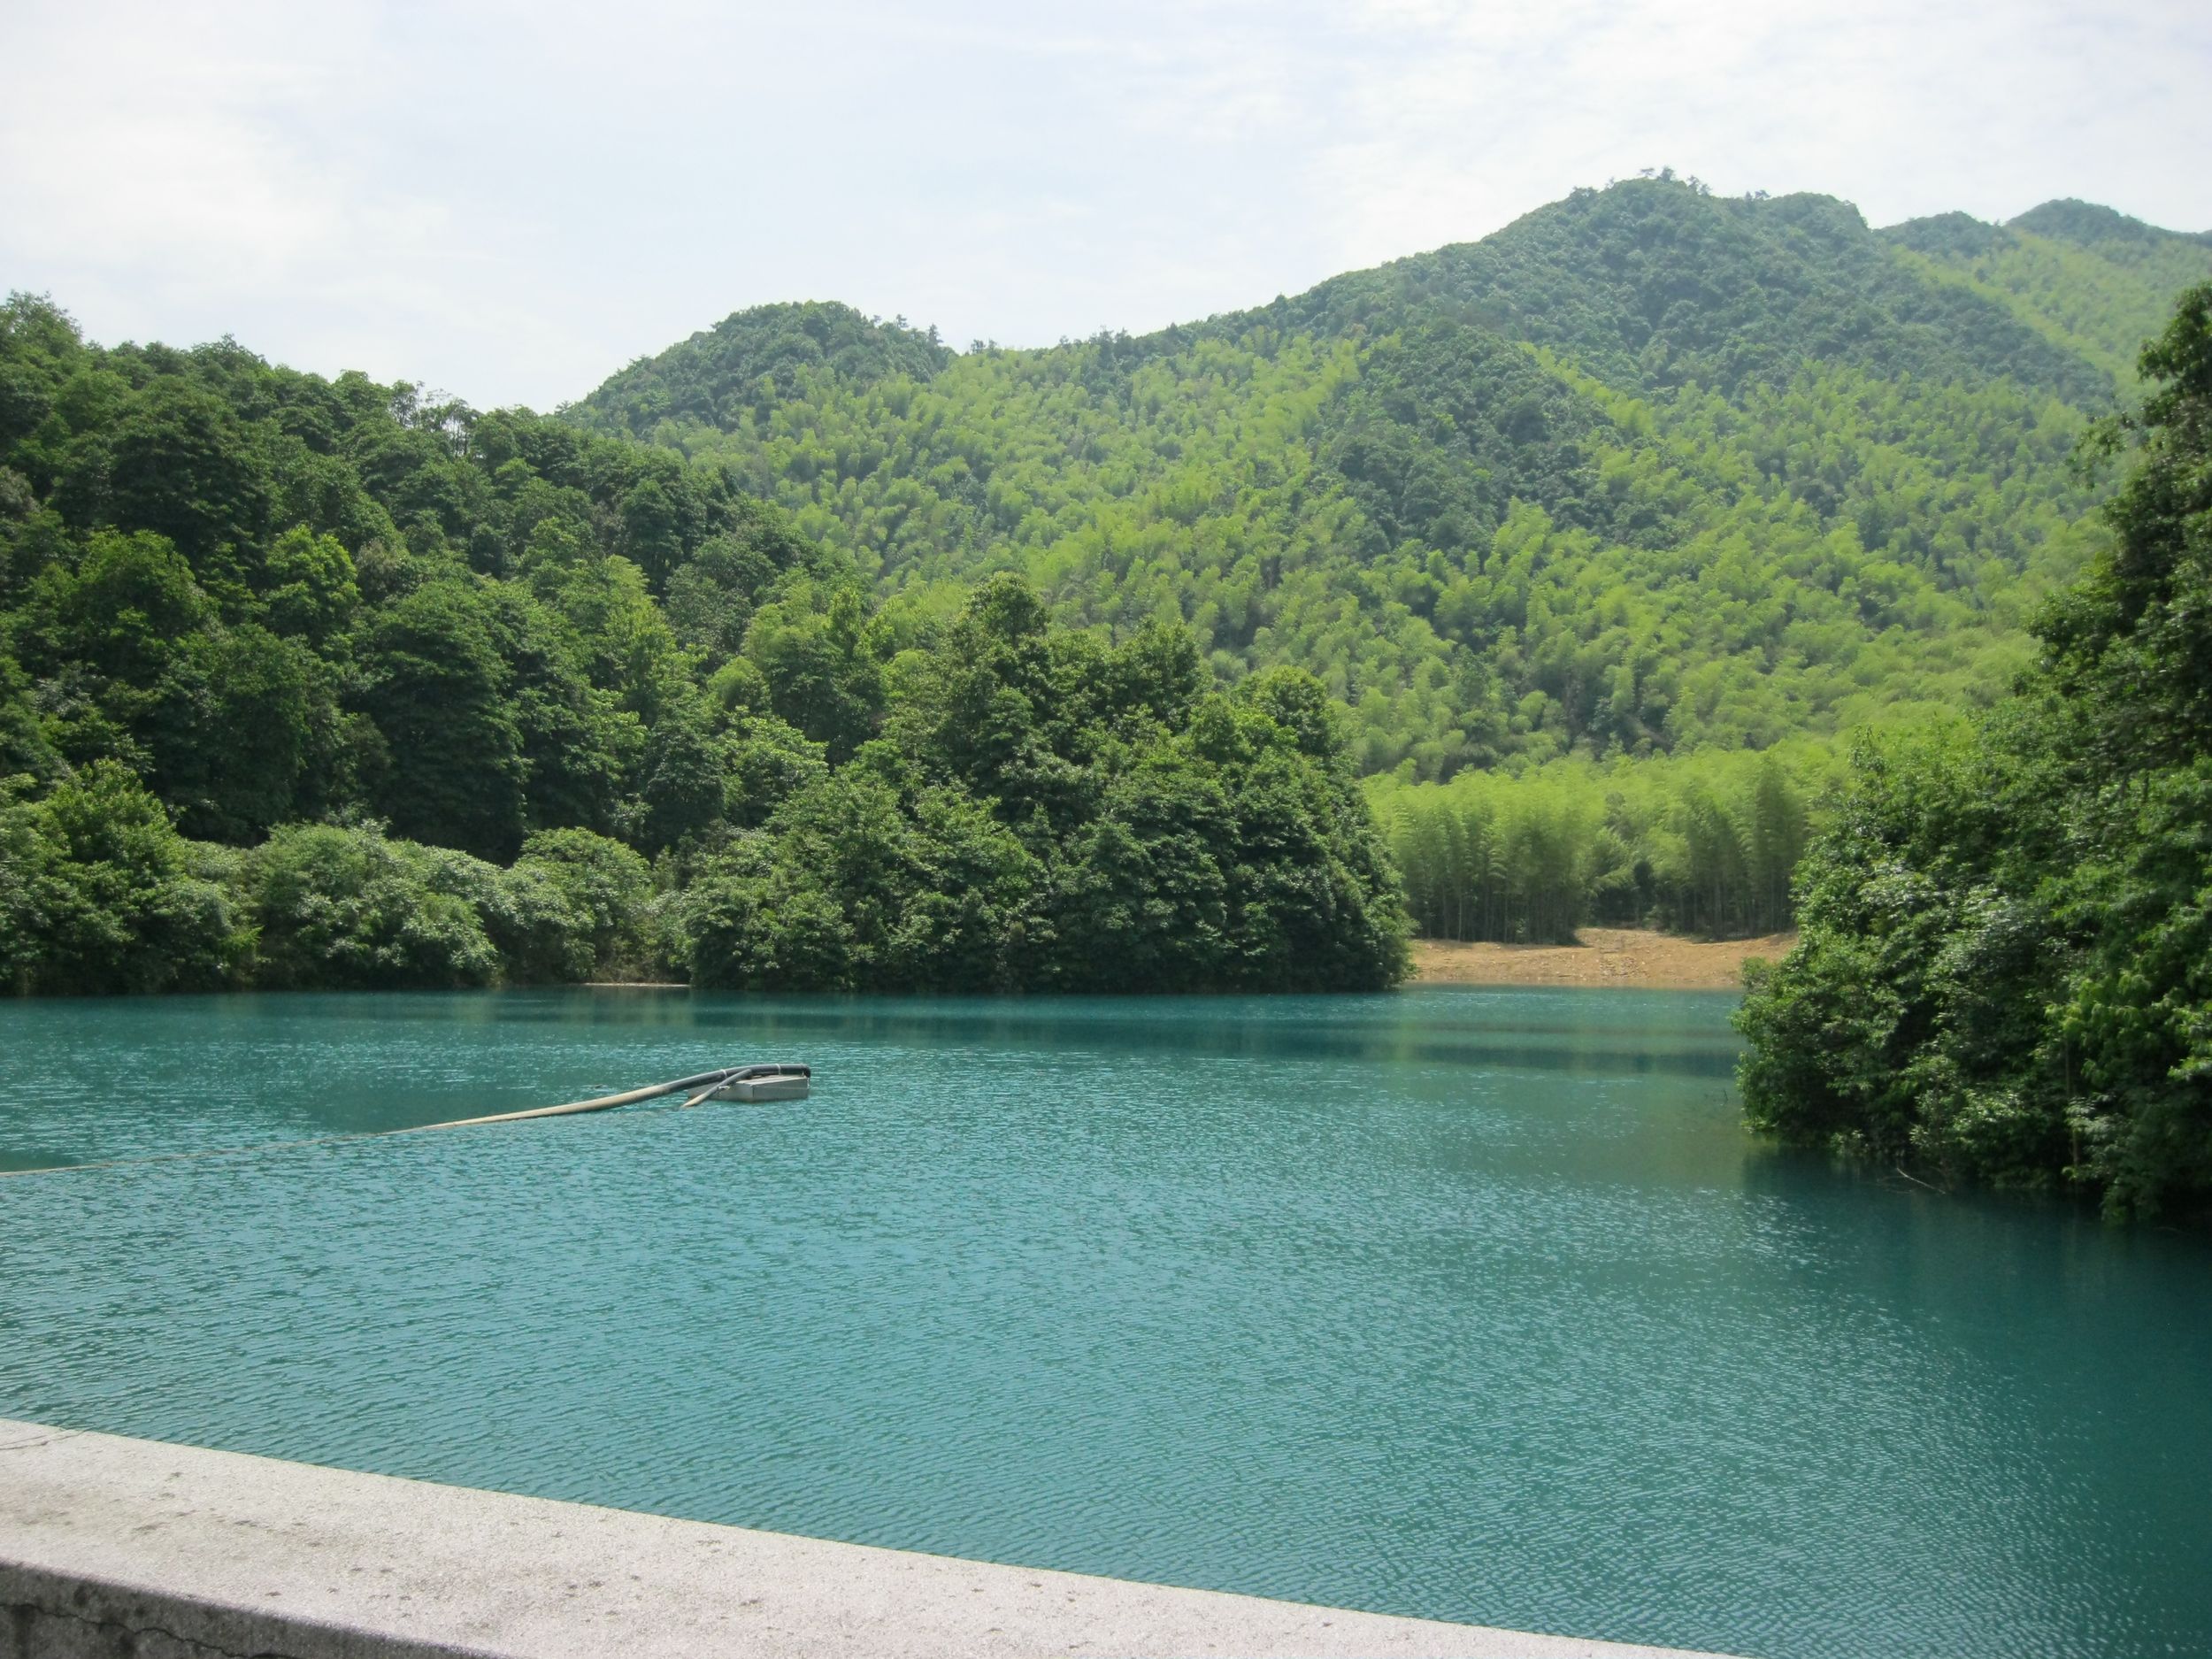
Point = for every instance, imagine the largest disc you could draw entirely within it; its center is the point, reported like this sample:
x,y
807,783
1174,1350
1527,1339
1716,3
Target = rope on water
x,y
705,1082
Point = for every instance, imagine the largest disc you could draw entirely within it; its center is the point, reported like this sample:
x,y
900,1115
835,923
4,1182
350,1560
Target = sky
x,y
509,201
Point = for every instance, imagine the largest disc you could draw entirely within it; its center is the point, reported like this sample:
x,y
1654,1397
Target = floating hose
x,y
705,1082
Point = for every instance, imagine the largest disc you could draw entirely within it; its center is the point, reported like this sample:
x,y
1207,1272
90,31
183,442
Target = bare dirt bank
x,y
1605,955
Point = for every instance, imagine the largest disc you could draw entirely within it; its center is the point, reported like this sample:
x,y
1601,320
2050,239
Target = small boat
x,y
765,1082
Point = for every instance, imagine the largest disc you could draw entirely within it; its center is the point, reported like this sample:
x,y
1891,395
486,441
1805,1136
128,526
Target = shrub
x,y
348,907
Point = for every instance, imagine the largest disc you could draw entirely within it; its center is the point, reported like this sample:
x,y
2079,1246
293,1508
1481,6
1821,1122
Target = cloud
x,y
1904,108
513,199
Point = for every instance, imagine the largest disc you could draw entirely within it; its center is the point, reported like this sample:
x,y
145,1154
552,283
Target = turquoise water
x,y
1471,1304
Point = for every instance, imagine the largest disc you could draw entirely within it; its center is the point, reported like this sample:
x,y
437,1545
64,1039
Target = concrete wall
x,y
115,1549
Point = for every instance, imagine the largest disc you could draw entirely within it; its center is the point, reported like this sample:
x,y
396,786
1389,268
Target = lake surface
x,y
1477,1305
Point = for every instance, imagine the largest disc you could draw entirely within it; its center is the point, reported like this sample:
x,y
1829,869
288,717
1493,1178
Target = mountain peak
x,y
757,357
2086,225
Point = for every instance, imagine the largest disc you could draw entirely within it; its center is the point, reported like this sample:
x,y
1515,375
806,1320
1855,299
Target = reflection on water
x,y
1477,1305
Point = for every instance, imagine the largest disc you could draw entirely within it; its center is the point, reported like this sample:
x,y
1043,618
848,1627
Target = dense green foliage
x,y
312,683
2005,971
98,892
1705,843
1602,529
1647,471
2090,280
273,597
1044,808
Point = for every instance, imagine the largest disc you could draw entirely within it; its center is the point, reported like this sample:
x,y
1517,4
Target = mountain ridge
x,y
1652,368
1598,539
844,337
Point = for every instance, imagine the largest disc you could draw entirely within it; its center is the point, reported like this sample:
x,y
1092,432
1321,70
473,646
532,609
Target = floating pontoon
x,y
765,1082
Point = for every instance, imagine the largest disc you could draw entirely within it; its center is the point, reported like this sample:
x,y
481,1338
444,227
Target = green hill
x,y
1601,528
2093,282
1648,471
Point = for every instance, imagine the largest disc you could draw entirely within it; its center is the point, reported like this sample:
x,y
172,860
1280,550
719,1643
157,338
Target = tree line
x,y
1559,521
309,682
2006,966
1703,844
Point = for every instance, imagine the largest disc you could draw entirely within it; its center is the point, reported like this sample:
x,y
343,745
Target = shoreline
x,y
1630,957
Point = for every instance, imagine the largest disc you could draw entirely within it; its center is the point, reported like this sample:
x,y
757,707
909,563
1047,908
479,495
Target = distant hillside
x,y
755,358
1646,471
2093,282
1653,285
1603,529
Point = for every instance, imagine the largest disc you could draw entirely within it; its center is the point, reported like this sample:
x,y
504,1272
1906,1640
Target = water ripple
x,y
1473,1306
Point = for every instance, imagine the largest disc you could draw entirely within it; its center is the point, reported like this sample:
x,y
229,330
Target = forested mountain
x,y
2093,282
813,651
1648,471
1651,472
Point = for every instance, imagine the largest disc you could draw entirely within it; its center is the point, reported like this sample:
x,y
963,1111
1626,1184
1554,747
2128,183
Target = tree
x,y
1144,902
577,743
123,612
2003,970
308,589
176,464
97,894
583,900
433,682
687,782
822,679
347,908
240,717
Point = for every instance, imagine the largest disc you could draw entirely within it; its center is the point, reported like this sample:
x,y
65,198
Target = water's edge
x,y
1450,1305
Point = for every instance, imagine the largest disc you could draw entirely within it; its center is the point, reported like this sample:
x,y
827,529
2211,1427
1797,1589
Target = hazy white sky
x,y
511,200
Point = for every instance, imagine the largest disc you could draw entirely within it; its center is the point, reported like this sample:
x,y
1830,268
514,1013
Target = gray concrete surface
x,y
112,1548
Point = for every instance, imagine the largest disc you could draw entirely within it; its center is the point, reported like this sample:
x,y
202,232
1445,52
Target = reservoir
x,y
1475,1305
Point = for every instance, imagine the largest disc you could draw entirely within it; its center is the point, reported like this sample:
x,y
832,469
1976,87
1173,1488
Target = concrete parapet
x,y
116,1549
